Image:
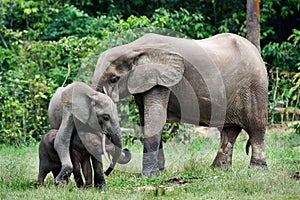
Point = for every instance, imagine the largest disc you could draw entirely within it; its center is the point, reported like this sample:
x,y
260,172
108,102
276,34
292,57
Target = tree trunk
x,y
253,26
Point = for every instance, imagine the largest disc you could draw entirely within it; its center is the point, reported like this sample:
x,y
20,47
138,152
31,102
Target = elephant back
x,y
55,109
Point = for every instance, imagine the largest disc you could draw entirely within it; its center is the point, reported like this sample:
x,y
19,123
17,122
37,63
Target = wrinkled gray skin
x,y
219,82
49,160
92,114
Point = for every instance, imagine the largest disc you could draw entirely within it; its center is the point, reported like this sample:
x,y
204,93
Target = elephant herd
x,y
219,82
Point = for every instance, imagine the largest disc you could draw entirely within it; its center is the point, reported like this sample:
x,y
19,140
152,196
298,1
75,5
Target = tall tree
x,y
253,25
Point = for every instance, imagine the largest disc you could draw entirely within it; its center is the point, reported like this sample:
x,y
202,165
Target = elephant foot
x,y
161,169
79,183
221,164
101,185
260,164
222,161
88,186
63,175
148,174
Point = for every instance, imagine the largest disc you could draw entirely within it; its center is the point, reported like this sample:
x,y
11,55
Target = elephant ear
x,y
90,138
77,98
155,67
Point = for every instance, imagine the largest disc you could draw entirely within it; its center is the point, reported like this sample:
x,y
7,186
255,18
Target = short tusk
x,y
104,150
109,158
104,90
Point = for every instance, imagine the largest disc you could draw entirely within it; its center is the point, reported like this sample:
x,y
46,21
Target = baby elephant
x,y
49,161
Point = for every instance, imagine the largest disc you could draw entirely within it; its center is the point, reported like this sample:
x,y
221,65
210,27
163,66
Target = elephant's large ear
x,y
77,99
155,67
90,138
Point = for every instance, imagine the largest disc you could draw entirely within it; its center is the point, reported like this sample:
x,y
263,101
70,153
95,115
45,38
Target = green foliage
x,y
283,60
32,71
278,18
24,110
285,55
193,25
45,44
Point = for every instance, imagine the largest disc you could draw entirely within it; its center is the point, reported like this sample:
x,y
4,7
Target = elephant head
x,y
137,67
94,114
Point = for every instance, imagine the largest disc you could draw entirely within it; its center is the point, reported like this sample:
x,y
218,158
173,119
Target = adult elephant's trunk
x,y
116,139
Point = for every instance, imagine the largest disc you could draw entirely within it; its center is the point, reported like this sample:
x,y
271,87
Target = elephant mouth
x,y
108,136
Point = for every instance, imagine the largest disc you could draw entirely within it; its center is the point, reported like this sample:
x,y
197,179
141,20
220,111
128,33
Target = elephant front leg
x,y
155,104
62,146
87,171
224,155
76,157
99,181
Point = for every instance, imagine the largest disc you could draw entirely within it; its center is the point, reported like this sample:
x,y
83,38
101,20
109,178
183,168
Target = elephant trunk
x,y
125,157
117,141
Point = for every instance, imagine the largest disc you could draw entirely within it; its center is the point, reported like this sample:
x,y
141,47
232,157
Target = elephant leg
x,y
99,181
62,146
228,138
41,177
87,171
44,169
76,168
258,157
161,157
55,172
155,115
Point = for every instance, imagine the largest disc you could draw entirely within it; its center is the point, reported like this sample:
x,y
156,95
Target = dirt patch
x,y
175,180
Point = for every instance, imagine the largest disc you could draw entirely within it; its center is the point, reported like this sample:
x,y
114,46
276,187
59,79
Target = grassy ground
x,y
191,162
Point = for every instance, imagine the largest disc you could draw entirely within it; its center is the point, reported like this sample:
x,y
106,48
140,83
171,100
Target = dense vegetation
x,y
45,44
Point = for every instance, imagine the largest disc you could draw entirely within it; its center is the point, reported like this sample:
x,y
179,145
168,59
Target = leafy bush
x,y
45,44
32,72
24,108
193,25
282,62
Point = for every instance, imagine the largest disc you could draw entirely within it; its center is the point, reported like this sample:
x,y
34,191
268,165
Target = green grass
x,y
19,170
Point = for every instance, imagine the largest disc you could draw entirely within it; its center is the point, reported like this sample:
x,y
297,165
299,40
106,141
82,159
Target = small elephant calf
x,y
49,161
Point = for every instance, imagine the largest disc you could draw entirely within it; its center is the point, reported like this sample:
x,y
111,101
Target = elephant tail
x,y
248,146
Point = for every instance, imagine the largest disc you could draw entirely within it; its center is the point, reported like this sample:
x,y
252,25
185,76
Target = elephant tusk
x,y
104,90
104,150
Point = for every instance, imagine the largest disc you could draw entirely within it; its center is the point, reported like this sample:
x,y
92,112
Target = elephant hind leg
x,y
258,157
228,138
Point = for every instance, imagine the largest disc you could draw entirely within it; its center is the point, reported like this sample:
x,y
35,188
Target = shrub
x,y
32,72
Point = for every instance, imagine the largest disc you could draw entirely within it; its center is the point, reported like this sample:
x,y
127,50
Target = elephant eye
x,y
105,117
114,79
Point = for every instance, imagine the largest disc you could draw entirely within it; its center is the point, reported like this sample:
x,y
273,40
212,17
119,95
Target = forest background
x,y
45,44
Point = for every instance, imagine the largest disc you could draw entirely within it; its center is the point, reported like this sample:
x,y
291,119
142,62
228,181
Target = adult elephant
x,y
92,114
220,81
